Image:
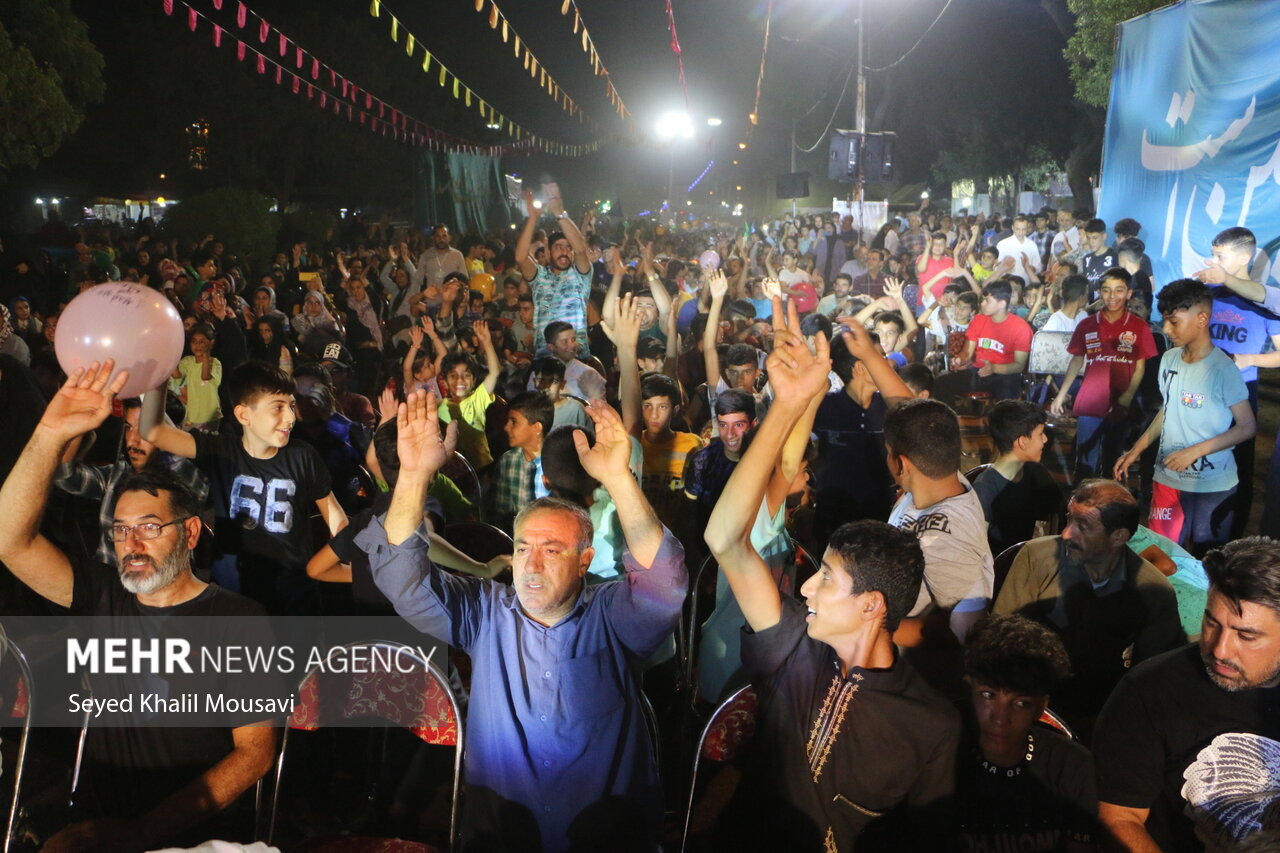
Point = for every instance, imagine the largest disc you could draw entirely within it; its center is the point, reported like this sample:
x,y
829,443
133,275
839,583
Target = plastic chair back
x,y
729,731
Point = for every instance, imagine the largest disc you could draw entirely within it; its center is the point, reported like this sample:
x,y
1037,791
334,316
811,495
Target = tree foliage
x,y
1091,49
49,73
239,218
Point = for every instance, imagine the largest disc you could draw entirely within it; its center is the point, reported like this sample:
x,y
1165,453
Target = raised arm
x,y
80,405
524,243
894,292
796,376
608,461
485,337
626,335
710,357
887,380
581,255
615,286
154,428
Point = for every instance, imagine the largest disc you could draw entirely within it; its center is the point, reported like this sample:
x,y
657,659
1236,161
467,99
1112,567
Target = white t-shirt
x,y
1060,322
790,277
1025,255
1066,241
958,569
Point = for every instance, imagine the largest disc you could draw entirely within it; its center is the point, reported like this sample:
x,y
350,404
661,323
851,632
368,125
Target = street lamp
x,y
673,126
713,122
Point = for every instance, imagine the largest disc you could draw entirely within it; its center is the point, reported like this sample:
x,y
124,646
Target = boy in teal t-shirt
x,y
1206,412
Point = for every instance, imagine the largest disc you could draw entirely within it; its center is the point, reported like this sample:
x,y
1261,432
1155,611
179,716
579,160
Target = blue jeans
x,y
1099,443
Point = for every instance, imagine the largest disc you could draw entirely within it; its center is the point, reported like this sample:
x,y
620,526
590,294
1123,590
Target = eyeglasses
x,y
147,530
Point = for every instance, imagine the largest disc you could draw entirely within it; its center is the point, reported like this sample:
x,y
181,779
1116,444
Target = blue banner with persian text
x,y
1193,130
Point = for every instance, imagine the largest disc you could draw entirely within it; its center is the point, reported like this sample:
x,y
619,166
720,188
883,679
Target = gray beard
x,y
162,574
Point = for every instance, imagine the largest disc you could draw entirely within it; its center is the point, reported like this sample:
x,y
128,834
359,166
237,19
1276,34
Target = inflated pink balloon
x,y
133,324
709,260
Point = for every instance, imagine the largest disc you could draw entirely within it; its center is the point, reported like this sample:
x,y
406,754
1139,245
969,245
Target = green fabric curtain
x,y
463,191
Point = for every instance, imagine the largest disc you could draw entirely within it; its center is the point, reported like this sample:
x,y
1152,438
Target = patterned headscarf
x,y
6,325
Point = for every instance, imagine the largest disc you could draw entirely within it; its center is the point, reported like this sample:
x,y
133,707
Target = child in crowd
x,y
261,488
1016,491
468,400
1206,412
196,379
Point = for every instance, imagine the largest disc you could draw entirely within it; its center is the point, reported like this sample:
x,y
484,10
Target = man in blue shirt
x,y
558,753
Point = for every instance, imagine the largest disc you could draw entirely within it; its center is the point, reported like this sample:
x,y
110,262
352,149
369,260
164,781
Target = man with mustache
x,y
1111,607
561,280
142,786
102,482
1195,706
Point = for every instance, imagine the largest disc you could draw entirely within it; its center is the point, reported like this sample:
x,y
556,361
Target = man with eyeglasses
x,y
142,787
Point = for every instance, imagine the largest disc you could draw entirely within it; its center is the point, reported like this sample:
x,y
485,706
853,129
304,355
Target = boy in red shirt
x,y
999,344
1111,347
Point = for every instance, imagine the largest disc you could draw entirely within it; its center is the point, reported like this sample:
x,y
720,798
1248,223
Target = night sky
x,y
996,61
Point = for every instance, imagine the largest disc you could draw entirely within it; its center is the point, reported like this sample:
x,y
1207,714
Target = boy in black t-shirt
x,y
1020,786
1015,489
261,487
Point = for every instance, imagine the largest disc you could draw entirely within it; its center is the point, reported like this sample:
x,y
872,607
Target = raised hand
x,y
529,205
218,302
483,335
771,288
415,337
796,374
718,283
610,456
386,405
418,441
1213,273
428,326
626,323
84,400
859,342
893,288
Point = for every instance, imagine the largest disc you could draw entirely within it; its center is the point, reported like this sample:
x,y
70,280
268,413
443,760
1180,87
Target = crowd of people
x,y
724,456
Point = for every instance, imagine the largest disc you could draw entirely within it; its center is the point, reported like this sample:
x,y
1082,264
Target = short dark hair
x,y
928,433
549,366
1247,570
255,379
969,298
1238,238
537,408
554,328
918,376
1117,274
892,317
1131,246
659,385
1184,294
1126,228
1016,654
881,558
648,347
1074,286
1010,420
741,354
562,467
1000,289
1115,504
455,359
182,500
554,236
734,401
1095,226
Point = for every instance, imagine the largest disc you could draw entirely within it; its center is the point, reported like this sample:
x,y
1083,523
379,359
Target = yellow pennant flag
x,y
517,46
564,7
576,20
493,17
533,66
479,5
375,8
468,97
504,31
395,30
455,88
426,61
444,72
408,45
584,38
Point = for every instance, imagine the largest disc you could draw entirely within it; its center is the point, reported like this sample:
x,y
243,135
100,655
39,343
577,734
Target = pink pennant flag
x,y
241,14
217,4
217,36
239,50
262,64
191,19
315,68
264,30
323,99
297,82
297,61
279,75
168,7
284,44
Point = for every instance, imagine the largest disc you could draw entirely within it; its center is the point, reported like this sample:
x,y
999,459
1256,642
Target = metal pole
x,y
860,115
793,163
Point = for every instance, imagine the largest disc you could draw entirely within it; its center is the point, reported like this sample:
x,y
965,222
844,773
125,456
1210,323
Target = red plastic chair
x,y
1053,721
420,700
728,732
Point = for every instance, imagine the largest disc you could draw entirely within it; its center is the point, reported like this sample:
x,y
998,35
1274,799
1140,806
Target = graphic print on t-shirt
x,y
269,505
1231,786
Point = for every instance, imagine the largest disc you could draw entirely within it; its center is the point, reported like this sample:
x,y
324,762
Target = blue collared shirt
x,y
554,724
